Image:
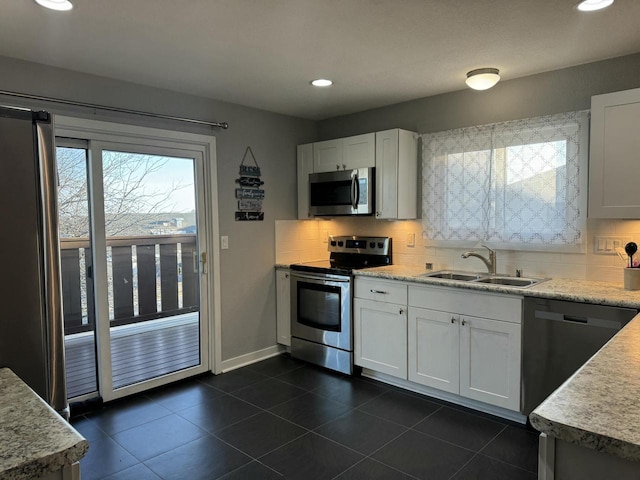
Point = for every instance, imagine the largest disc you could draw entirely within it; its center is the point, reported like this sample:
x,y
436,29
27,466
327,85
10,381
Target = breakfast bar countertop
x,y
34,439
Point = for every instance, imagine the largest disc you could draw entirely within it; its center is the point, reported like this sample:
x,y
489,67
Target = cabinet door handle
x,y
463,323
401,312
286,275
453,320
344,167
337,167
379,291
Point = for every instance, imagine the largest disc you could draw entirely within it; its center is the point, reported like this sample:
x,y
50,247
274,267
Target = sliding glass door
x,y
132,274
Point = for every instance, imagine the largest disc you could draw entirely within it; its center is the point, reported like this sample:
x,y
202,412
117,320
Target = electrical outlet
x,y
607,244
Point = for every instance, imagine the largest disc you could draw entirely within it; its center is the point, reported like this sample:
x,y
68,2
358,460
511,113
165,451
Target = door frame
x,y
107,134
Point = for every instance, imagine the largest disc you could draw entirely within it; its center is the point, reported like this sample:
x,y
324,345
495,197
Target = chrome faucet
x,y
490,263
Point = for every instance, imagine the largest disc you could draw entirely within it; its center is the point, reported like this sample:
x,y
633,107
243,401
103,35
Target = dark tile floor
x,y
282,418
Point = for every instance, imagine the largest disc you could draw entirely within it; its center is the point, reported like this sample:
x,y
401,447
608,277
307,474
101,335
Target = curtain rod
x,y
223,125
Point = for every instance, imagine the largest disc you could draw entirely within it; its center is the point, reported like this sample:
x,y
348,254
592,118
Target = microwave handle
x,y
355,191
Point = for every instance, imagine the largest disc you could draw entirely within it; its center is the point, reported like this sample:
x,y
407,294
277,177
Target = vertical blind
x,y
517,182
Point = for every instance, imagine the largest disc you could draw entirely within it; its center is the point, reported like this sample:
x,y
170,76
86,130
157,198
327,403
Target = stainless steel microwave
x,y
343,192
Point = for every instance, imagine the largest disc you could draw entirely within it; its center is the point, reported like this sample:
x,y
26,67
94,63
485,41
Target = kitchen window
x,y
521,183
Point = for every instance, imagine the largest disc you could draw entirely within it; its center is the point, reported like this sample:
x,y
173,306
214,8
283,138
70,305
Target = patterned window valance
x,y
518,182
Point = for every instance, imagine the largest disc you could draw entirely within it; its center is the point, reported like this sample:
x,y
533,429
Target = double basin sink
x,y
504,280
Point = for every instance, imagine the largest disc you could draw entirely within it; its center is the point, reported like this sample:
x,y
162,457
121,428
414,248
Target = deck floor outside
x,y
139,352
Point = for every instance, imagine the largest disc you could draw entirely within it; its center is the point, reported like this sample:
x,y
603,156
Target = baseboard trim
x,y
253,357
448,397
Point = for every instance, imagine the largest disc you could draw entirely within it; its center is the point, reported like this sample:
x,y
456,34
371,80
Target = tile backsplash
x,y
306,240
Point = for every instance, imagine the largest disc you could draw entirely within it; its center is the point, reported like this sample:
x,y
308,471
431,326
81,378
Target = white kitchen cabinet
x,y
327,156
304,168
380,326
434,349
490,361
67,472
454,349
396,174
613,158
283,306
344,153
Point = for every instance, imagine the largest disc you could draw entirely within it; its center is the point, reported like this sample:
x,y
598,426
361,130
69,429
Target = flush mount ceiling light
x,y
592,5
482,78
322,82
60,5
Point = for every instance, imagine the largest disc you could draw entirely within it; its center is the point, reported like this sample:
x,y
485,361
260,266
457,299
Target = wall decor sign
x,y
249,195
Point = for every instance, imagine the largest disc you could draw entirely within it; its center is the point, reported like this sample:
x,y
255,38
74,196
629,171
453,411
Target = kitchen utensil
x,y
622,255
631,248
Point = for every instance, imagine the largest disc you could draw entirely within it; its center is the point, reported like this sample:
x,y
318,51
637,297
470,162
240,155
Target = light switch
x,y
607,244
411,239
224,242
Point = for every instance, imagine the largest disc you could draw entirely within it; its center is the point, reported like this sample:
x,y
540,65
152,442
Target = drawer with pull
x,y
381,290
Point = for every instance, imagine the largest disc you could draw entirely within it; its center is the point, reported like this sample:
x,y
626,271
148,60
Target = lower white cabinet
x,y
380,336
475,357
380,326
490,361
434,349
283,306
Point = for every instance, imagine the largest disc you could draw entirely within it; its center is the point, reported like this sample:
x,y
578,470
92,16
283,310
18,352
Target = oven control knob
x,y
380,245
372,244
341,243
333,243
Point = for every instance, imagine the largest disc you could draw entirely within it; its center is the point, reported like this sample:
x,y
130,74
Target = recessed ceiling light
x,y
591,5
482,78
322,82
60,5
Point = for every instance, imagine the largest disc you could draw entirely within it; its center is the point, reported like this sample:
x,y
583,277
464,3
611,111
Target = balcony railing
x,y
149,278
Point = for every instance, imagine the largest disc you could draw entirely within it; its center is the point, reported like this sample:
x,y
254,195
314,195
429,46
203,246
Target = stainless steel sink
x,y
504,280
449,275
510,281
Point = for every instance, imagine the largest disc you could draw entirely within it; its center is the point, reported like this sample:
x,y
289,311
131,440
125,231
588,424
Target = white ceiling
x,y
263,53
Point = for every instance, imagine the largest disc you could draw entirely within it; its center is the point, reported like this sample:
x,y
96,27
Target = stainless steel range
x,y
322,297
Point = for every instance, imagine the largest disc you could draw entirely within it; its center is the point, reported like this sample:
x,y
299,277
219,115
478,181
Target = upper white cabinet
x,y
394,153
613,159
344,153
396,174
304,168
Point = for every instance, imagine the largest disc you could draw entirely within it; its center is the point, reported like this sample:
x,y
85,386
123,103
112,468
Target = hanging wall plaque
x,y
249,194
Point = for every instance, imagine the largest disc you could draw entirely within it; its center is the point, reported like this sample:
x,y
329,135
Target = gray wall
x,y
547,93
247,274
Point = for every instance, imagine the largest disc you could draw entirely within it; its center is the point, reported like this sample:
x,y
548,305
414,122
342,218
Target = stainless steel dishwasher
x,y
558,337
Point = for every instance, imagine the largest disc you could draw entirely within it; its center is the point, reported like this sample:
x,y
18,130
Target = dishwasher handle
x,y
593,321
572,318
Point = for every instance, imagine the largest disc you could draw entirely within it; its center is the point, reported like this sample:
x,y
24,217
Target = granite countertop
x,y
602,293
34,439
597,407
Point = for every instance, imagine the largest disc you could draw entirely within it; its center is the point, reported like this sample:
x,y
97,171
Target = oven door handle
x,y
355,190
321,278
